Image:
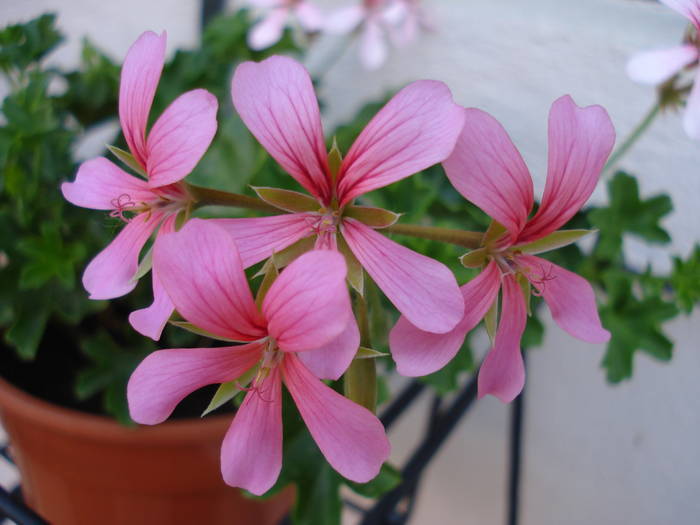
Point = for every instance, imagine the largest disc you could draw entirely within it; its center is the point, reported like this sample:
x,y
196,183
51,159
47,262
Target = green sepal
x,y
227,391
372,217
145,265
494,232
356,275
127,159
270,275
491,320
335,160
196,330
287,200
557,239
286,256
474,258
369,353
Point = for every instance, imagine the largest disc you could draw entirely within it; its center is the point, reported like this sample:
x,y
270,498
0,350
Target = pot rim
x,y
20,405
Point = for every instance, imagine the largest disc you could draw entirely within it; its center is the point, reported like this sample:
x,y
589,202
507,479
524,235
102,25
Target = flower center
x,y
168,199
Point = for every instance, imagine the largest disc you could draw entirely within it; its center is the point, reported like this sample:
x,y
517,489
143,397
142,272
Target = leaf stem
x,y
637,132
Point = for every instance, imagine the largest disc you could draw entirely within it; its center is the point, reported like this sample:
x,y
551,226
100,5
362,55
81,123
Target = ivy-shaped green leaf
x,y
635,320
685,279
627,213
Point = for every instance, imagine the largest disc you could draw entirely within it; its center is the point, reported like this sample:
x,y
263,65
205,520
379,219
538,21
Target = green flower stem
x,y
467,239
211,197
637,132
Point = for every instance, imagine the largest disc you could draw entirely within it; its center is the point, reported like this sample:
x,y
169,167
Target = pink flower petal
x,y
180,137
416,129
258,238
344,20
165,377
251,454
580,140
418,353
202,273
151,321
307,306
100,184
351,438
655,67
331,360
276,100
502,373
691,117
422,289
269,30
139,78
310,17
688,8
570,299
487,169
110,274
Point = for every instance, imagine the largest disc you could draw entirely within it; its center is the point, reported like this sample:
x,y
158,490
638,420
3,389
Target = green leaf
x,y
627,213
685,279
634,317
387,479
23,44
356,274
48,257
28,328
553,241
474,258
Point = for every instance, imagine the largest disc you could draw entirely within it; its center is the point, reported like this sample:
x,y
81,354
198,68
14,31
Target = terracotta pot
x,y
80,469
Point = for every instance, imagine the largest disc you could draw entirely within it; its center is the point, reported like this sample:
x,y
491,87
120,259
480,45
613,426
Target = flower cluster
x,y
376,22
300,327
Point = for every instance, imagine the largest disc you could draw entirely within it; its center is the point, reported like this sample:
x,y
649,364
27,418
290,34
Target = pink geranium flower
x,y
656,67
304,330
487,169
376,20
171,149
416,129
268,31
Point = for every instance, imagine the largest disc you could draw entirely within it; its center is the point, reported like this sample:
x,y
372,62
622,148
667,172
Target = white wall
x,y
594,453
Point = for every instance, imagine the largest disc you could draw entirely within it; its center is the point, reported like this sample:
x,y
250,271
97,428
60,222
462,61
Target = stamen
x,y
121,204
540,280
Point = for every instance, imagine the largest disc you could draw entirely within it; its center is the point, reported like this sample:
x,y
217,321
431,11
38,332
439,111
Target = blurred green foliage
x,y
47,242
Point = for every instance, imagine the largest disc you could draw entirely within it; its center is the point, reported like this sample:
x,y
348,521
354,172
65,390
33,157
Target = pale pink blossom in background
x,y
487,169
416,129
656,67
376,21
168,153
303,331
277,13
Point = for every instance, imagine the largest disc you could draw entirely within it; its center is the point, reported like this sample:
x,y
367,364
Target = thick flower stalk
x,y
164,156
376,21
487,169
657,67
268,31
416,129
303,331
